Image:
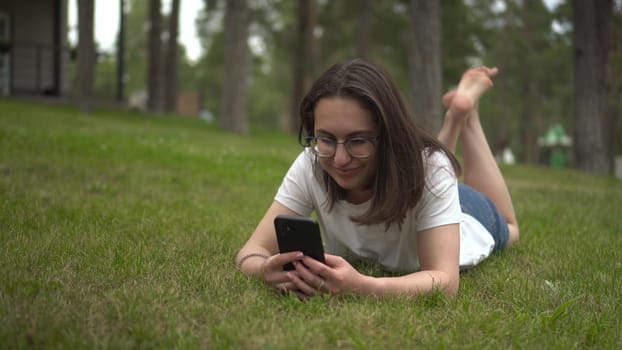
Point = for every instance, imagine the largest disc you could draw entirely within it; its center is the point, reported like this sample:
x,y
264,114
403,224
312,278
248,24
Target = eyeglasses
x,y
357,147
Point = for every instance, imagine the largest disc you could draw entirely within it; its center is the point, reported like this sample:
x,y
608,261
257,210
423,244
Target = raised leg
x,y
462,122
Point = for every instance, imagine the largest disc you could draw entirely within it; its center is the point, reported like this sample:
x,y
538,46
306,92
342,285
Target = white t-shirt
x,y
396,249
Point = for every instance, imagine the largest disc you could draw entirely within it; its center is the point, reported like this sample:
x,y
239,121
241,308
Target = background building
x,y
34,55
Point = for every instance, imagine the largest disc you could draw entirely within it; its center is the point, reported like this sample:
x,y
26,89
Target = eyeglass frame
x,y
310,139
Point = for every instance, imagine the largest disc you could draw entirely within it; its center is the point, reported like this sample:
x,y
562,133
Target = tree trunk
x,y
154,70
170,68
530,122
364,28
85,66
234,97
526,121
614,78
592,20
121,53
425,62
305,58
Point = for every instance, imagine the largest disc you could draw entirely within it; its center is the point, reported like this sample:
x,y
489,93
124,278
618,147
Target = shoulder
x,y
298,188
437,164
440,203
304,162
435,158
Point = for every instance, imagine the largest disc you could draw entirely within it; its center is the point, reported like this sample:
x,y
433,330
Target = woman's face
x,y
341,119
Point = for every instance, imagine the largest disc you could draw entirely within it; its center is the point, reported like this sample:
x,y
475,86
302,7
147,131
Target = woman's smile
x,y
347,172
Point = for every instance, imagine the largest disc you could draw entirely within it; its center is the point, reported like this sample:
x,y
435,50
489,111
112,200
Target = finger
x,y
273,273
303,271
273,269
333,260
315,267
301,284
276,277
324,270
301,295
286,287
321,286
284,258
309,276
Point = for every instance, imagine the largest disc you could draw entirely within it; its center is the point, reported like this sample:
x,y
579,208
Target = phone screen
x,y
298,233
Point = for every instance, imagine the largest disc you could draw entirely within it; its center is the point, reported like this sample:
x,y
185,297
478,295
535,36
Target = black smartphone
x,y
299,233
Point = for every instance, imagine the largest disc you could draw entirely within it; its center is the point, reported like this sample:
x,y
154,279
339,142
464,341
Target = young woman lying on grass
x,y
385,191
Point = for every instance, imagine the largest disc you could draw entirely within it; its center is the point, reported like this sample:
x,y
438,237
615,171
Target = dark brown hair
x,y
400,178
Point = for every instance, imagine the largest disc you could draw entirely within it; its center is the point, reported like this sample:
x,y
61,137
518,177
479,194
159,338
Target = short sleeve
x,y
295,191
440,204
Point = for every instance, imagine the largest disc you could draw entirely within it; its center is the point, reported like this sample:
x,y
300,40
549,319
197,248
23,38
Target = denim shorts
x,y
481,208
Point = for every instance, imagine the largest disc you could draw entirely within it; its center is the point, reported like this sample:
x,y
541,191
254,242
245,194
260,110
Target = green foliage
x,y
106,77
119,230
460,32
391,39
534,87
338,20
136,45
518,39
136,58
209,76
533,90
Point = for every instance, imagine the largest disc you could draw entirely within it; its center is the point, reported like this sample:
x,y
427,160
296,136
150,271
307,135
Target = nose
x,y
341,156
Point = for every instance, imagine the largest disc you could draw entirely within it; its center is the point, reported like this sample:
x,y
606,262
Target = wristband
x,y
251,255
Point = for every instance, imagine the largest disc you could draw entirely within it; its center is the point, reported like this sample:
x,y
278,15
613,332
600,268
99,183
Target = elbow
x,y
451,290
448,284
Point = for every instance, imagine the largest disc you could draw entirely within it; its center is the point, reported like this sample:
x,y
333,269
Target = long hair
x,y
400,178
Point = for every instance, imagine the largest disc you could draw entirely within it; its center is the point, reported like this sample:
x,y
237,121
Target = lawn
x,y
119,230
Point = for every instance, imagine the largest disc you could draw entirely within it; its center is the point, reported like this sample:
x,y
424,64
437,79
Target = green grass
x,y
119,231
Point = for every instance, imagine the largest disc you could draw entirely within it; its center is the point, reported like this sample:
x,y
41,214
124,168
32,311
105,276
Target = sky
x,y
107,23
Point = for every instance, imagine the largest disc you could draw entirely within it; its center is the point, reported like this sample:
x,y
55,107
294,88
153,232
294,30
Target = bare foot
x,y
448,97
472,86
462,102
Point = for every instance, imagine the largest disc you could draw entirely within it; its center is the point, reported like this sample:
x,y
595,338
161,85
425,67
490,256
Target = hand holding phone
x,y
297,233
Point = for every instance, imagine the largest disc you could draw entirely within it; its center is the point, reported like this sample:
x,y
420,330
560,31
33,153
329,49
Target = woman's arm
x,y
259,256
438,250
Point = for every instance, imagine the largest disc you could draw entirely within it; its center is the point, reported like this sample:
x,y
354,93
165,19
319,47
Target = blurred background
x,y
245,64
